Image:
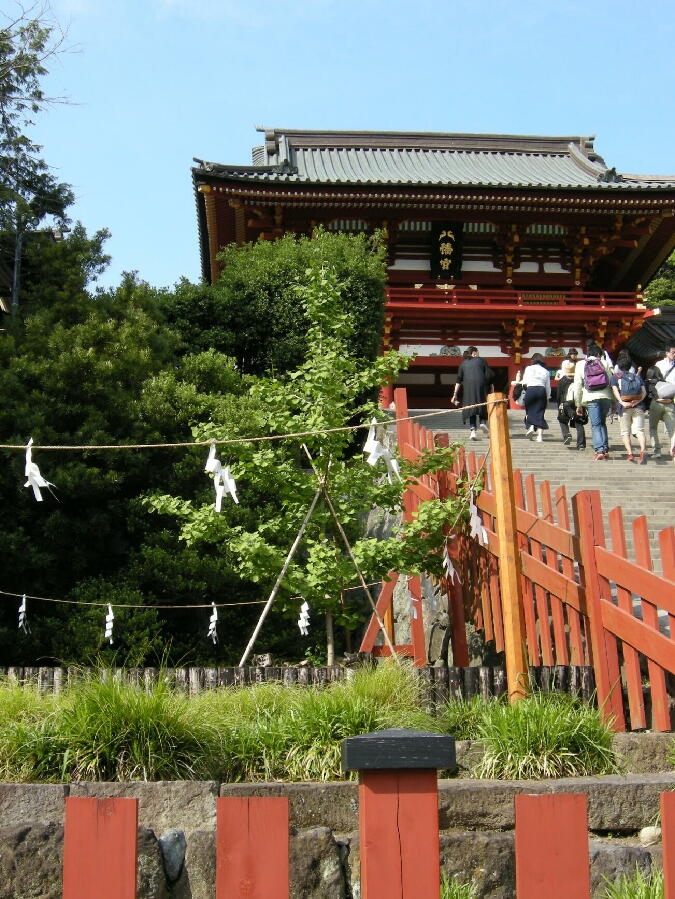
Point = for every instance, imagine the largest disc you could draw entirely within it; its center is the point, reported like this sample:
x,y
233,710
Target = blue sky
x,y
153,83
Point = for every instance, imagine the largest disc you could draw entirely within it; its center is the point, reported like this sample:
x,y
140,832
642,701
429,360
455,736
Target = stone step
x,y
639,489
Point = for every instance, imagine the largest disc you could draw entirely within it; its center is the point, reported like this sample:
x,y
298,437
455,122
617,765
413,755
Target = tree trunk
x,y
330,640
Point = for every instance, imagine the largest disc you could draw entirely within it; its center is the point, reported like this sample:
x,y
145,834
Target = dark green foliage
x,y
250,313
661,291
102,370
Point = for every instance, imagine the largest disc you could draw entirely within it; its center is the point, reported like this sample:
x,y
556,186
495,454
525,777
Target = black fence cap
x,y
398,748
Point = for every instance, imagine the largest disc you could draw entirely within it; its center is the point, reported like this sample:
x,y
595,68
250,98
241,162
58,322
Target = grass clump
x,y
639,885
105,729
277,732
546,735
23,709
453,888
463,717
102,729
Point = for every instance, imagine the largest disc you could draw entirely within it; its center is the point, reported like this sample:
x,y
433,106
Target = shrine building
x,y
514,244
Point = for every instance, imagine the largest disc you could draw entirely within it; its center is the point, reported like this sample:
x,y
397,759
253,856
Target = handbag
x,y
518,394
665,390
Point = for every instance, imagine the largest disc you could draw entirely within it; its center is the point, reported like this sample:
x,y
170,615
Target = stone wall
x,y
177,825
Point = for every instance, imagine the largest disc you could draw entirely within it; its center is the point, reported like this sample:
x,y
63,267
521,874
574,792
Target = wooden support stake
x,y
345,540
517,679
282,574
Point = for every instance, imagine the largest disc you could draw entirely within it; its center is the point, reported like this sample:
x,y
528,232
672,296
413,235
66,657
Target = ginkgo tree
x,y
326,405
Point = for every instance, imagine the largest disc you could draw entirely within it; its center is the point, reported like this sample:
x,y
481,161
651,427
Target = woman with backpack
x,y
567,412
537,384
592,392
629,390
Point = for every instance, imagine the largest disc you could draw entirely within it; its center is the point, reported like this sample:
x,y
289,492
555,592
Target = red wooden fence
x,y
99,849
583,604
551,845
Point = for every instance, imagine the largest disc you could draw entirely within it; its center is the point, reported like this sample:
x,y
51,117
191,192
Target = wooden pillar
x,y
517,676
252,847
386,396
552,847
398,810
100,848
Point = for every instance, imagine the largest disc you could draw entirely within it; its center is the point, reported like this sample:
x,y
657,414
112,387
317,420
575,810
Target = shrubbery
x,y
103,729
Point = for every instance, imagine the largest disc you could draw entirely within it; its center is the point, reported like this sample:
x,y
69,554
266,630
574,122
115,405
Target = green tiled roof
x,y
392,158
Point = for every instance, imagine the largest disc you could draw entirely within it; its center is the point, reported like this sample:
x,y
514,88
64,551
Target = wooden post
x,y
552,846
100,848
590,531
252,847
517,679
668,841
398,810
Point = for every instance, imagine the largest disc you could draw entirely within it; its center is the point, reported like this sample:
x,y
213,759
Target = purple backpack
x,y
595,376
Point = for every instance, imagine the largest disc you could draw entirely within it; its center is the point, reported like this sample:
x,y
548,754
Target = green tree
x,y
661,291
329,391
103,371
30,196
252,314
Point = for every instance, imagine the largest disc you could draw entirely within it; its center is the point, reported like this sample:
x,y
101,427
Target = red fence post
x,y
100,848
590,531
668,843
398,810
252,847
552,847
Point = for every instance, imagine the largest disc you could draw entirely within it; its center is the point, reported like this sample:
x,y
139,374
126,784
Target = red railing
x,y
430,294
582,603
399,846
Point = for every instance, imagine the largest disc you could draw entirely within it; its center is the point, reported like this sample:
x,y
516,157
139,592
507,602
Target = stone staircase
x,y
647,489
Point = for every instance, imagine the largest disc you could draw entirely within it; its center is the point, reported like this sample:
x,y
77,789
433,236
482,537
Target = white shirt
x,y
667,365
537,376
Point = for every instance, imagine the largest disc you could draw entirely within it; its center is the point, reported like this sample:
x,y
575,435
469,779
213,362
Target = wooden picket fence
x,y
441,684
583,604
398,837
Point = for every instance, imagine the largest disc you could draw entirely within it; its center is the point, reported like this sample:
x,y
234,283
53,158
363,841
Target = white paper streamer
x,y
303,620
32,472
109,619
377,450
222,480
22,614
213,624
477,529
448,567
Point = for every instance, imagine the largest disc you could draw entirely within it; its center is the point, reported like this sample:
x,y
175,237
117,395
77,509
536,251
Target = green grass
x,y
546,735
276,732
107,730
462,718
102,729
453,888
635,886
